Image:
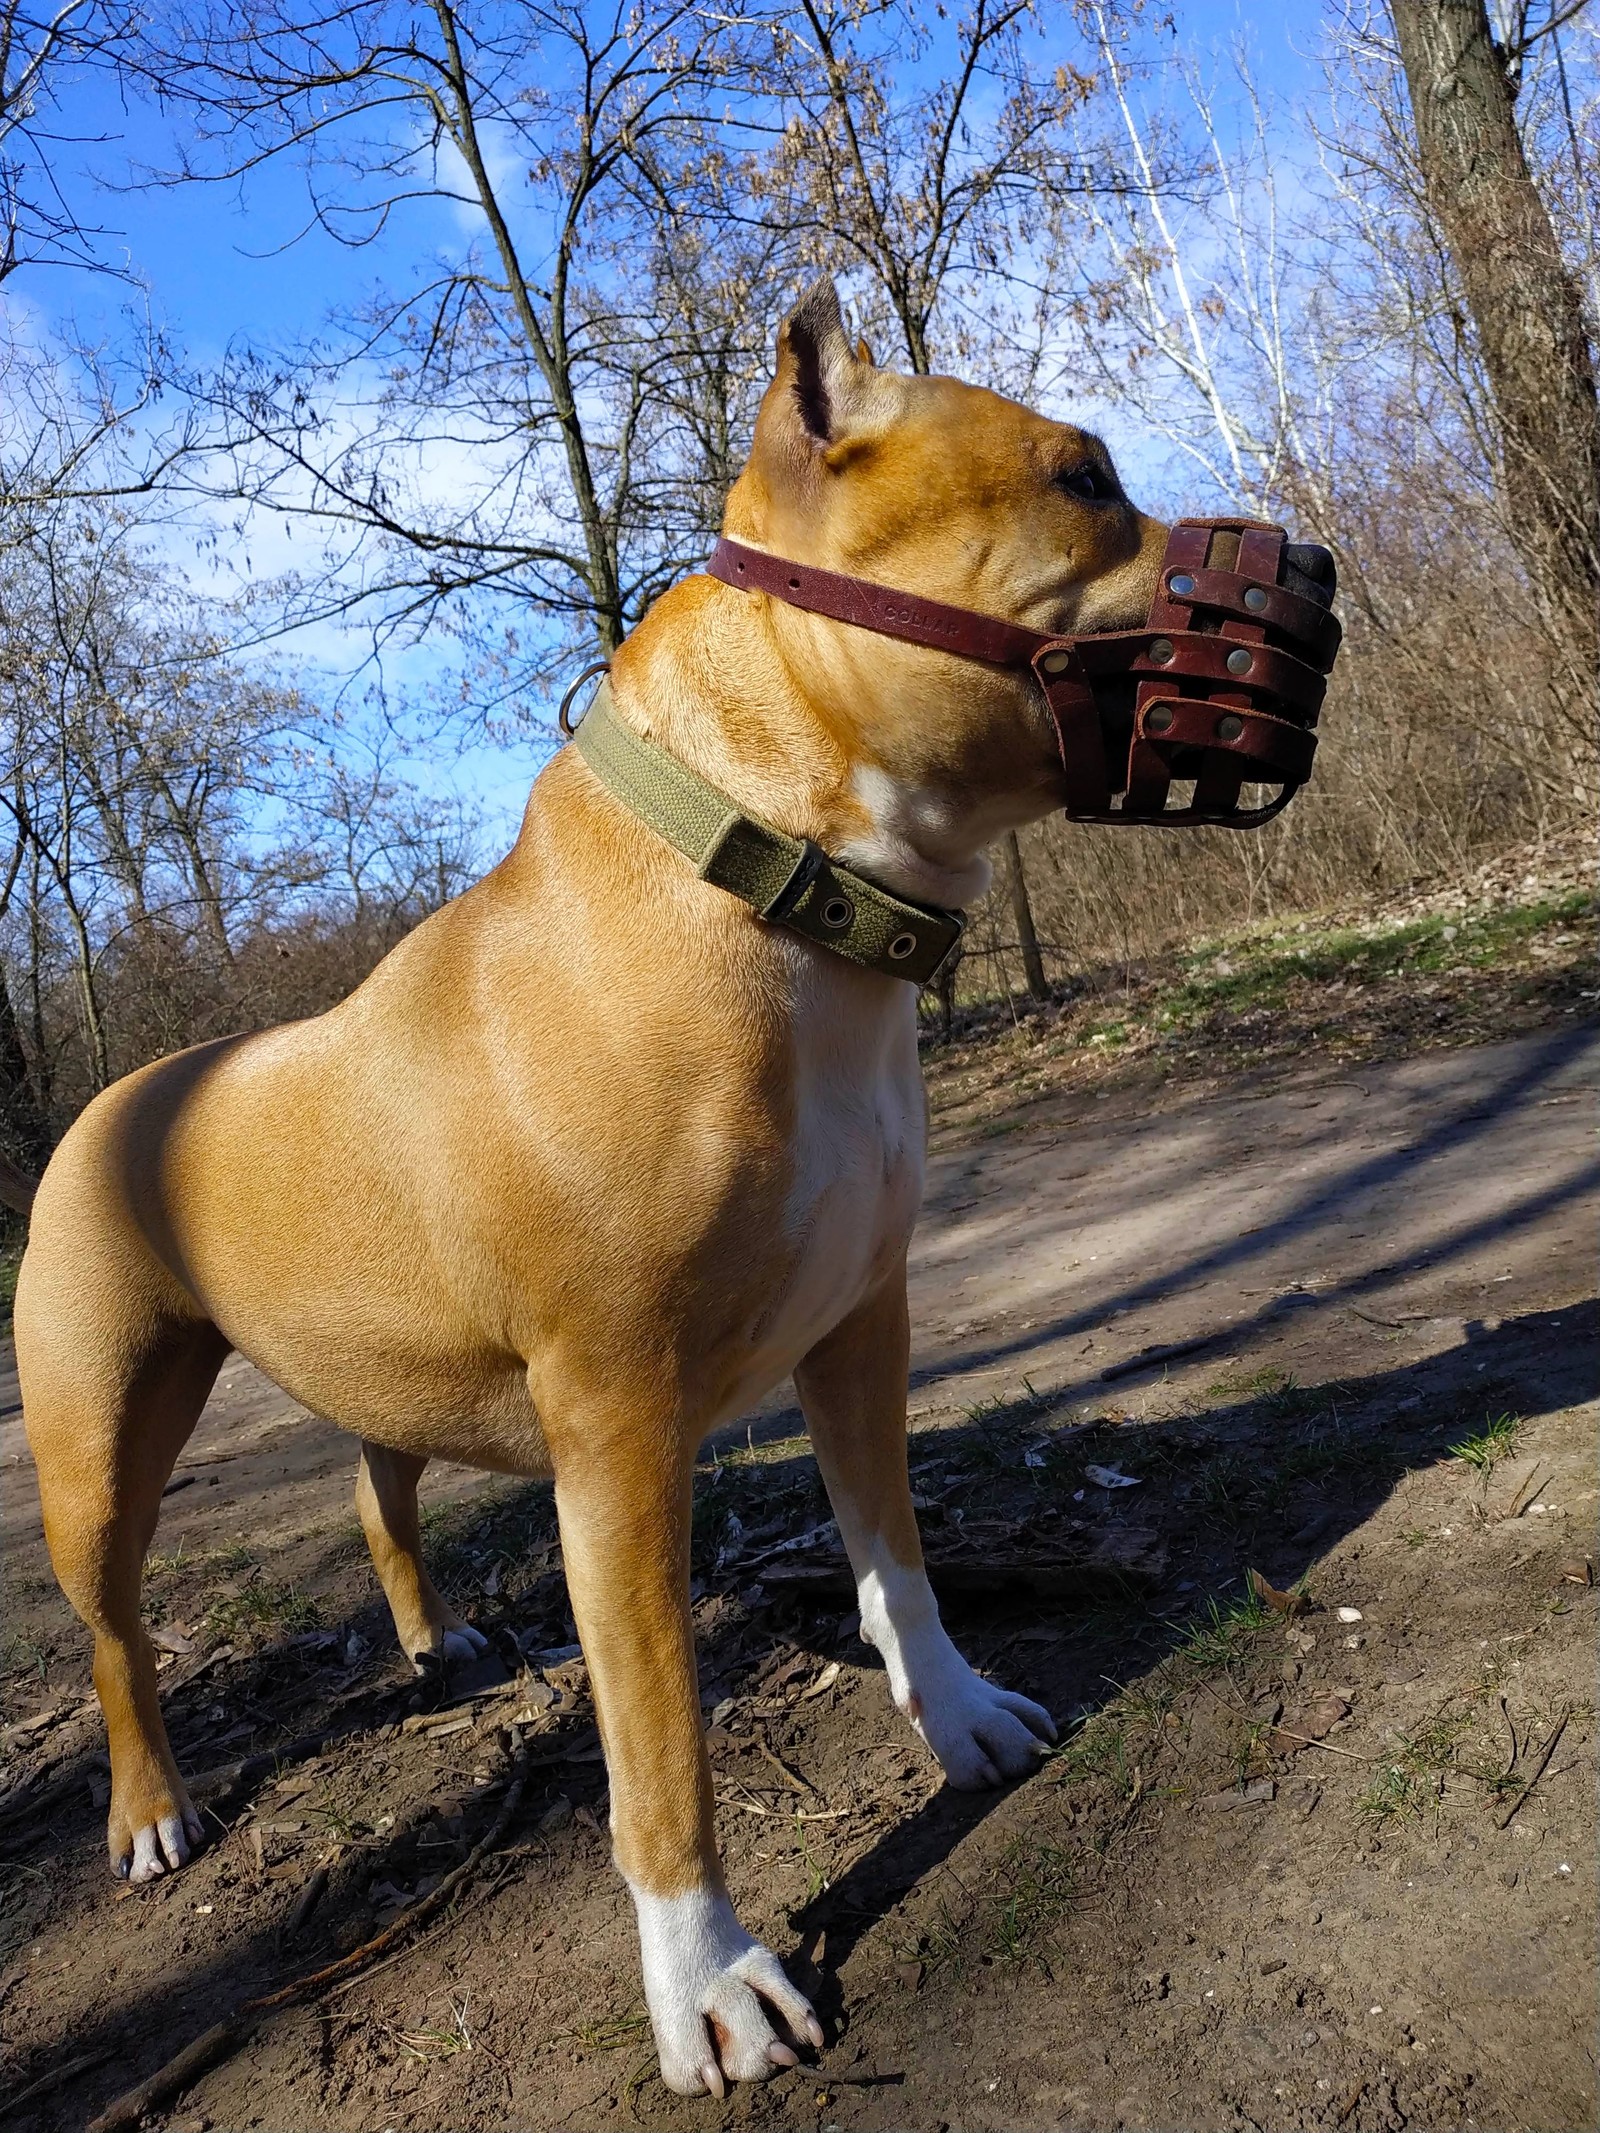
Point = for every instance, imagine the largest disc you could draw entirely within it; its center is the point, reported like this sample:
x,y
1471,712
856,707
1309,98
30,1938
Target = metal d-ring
x,y
601,666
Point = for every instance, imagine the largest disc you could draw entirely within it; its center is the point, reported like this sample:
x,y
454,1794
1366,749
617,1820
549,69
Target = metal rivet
x,y
1180,583
1158,718
1254,599
1160,650
901,946
837,912
1229,728
1240,662
1054,662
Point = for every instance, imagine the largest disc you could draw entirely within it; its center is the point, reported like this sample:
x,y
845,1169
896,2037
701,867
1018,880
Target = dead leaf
x,y
1579,1571
1107,1477
1281,1603
824,1681
1313,1725
172,1639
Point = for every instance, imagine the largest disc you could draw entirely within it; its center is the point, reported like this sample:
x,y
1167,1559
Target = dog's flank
x,y
594,1159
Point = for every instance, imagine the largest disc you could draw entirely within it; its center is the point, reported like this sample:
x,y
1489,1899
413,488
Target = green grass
x,y
608,2032
261,1611
1494,1442
1036,1886
1260,971
1224,1634
1410,1783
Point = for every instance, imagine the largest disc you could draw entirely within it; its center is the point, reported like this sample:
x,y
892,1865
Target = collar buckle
x,y
807,867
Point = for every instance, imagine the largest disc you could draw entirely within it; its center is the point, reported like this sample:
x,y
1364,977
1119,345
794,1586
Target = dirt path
x,y
1383,1260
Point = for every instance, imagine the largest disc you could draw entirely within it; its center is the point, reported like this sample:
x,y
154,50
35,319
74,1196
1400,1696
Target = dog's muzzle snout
x,y
1221,684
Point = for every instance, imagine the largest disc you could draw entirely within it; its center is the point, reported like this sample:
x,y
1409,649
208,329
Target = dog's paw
x,y
711,1989
145,1850
459,1645
982,1735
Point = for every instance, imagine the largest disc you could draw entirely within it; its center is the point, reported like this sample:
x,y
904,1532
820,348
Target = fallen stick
x,y
226,2036
57,2078
1539,1771
1149,1358
1306,1740
791,1777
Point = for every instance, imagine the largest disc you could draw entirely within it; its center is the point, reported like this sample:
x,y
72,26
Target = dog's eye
x,y
1089,481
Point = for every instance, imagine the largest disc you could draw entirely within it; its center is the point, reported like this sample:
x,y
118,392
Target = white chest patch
x,y
857,1165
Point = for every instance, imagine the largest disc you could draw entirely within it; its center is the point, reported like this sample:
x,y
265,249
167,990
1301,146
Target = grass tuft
x,y
1494,1442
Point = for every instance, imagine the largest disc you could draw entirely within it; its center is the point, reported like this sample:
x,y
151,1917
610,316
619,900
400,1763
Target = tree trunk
x,y
1022,912
1524,303
23,1132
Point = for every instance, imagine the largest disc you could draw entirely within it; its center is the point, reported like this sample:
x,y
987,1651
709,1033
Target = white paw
x,y
463,1642
161,1847
981,1735
709,1987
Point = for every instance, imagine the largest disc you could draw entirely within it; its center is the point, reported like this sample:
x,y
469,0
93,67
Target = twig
x,y
1539,1769
306,1902
784,1814
227,2035
794,1778
1148,1358
57,2078
1524,1493
1306,1741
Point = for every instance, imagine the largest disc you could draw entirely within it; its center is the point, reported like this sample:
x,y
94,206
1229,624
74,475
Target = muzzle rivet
x,y
1230,727
1160,650
1181,584
901,946
837,912
1240,662
1158,718
1254,599
1054,662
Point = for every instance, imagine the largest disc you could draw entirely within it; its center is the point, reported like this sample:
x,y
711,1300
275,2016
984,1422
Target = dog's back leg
x,y
386,1502
113,1381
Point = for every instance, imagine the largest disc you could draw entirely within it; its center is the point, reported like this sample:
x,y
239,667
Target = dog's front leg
x,y
623,1498
853,1389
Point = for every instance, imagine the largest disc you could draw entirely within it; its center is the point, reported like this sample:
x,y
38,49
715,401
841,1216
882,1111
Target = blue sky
x,y
220,268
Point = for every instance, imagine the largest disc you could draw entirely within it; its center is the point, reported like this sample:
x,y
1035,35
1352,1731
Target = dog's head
x,y
955,493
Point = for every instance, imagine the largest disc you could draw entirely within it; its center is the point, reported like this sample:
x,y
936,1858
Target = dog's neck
x,y
708,677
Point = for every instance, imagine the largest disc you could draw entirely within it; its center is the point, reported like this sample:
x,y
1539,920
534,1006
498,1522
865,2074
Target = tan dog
x,y
596,1158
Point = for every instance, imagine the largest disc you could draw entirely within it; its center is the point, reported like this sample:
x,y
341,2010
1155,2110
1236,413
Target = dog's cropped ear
x,y
818,368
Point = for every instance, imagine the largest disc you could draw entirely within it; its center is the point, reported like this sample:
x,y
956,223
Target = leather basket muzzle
x,y
1221,685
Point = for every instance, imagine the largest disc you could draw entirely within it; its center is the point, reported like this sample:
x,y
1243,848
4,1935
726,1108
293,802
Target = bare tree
x,y
1524,301
490,436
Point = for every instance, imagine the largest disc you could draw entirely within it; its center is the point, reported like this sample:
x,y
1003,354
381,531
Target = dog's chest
x,y
856,1163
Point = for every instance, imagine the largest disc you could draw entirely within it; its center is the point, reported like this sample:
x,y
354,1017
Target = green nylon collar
x,y
786,881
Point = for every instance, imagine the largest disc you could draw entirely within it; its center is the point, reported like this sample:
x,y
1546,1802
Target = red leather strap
x,y
877,607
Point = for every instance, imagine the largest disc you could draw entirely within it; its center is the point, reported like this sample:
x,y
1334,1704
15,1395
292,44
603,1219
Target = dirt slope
x,y
1284,1871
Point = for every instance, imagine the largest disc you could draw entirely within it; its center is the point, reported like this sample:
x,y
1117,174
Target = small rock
x,y
556,1816
1349,1614
909,1974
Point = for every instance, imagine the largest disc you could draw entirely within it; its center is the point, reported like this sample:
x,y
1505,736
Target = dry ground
x,y
1286,1869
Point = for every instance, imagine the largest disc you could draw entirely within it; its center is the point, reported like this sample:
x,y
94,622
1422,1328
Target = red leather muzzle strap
x,y
1227,675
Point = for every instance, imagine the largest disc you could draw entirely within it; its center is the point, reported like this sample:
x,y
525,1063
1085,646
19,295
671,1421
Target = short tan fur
x,y
594,1159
